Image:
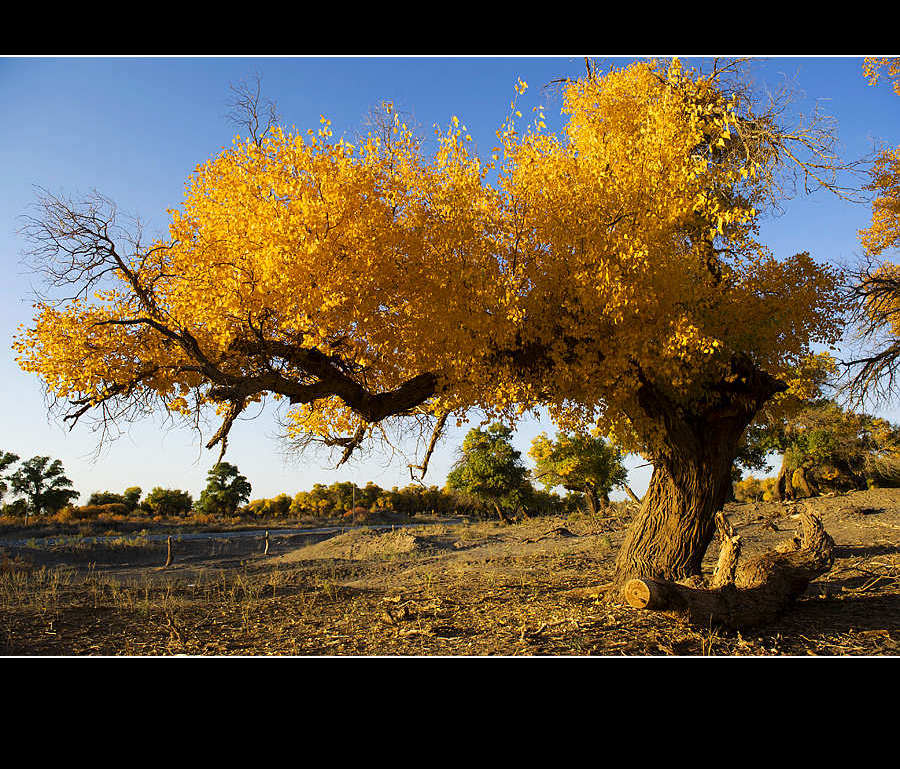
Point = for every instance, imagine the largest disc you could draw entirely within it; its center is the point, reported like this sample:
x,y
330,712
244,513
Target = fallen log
x,y
754,592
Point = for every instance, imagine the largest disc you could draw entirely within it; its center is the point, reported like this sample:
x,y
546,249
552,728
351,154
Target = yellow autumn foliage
x,y
559,272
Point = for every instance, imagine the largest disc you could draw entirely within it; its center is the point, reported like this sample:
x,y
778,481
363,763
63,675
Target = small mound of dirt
x,y
357,545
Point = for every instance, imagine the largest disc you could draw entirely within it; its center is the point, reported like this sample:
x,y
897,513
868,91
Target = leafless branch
x,y
246,108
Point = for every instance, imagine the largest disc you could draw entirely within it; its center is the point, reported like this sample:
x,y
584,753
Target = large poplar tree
x,y
611,273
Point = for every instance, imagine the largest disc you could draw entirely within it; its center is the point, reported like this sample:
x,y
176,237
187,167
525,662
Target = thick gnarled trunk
x,y
673,528
694,452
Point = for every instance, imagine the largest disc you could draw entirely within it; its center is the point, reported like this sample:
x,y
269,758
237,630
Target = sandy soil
x,y
479,588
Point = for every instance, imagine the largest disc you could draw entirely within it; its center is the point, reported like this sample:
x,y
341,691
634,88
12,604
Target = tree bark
x,y
694,451
783,487
803,484
753,593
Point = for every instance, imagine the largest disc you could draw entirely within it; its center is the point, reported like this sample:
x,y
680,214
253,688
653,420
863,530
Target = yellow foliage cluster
x,y
884,231
623,247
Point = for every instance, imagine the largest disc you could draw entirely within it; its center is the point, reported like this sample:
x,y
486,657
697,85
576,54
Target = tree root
x,y
740,595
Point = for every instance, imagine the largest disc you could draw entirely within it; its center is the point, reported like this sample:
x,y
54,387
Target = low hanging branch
x,y
435,434
232,411
751,593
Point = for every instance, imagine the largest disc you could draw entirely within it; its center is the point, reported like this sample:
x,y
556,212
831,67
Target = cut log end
x,y
637,593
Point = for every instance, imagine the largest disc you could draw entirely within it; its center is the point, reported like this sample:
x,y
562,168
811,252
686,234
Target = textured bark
x,y
803,485
747,594
691,479
729,553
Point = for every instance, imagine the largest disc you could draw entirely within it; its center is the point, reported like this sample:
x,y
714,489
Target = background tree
x,y
105,498
43,484
826,447
611,273
491,470
811,382
226,490
579,463
132,498
875,287
162,501
7,458
276,507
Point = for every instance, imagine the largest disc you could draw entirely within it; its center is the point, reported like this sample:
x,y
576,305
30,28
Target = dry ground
x,y
533,588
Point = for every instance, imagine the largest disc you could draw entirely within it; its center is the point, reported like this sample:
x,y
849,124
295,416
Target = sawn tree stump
x,y
740,595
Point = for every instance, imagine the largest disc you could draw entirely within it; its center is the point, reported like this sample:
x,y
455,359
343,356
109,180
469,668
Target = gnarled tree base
x,y
754,592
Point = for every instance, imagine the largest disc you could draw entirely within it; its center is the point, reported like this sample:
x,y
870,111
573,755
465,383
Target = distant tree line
x,y
823,446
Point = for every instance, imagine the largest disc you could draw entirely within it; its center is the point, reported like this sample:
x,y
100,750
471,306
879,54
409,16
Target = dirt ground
x,y
462,589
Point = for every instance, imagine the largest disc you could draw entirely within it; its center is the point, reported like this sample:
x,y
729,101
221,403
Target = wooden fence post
x,y
169,556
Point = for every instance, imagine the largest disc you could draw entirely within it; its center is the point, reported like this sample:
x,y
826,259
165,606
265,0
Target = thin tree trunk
x,y
634,497
783,487
590,497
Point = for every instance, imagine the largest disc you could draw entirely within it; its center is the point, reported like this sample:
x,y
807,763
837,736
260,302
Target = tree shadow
x,y
825,616
868,510
864,551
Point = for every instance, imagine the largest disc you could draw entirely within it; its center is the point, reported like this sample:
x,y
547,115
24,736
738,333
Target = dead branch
x,y
748,594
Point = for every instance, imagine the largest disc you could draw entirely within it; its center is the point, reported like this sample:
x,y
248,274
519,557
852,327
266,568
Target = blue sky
x,y
135,128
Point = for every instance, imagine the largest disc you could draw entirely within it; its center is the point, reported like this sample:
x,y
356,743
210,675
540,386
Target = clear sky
x,y
135,128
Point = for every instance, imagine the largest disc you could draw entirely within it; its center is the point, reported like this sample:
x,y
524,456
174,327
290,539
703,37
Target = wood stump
x,y
746,594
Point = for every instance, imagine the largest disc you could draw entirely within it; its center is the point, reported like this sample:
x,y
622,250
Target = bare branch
x,y
246,108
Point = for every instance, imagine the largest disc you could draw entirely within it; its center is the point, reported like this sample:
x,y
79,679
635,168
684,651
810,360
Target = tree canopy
x,y
491,470
362,282
579,463
226,490
42,482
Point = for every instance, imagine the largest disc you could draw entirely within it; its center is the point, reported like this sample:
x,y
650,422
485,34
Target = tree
x,y
491,470
579,463
7,458
875,290
277,507
43,484
811,382
131,497
226,490
162,501
105,498
611,273
826,447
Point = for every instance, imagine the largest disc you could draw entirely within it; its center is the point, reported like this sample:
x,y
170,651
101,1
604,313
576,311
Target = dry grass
x,y
534,588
